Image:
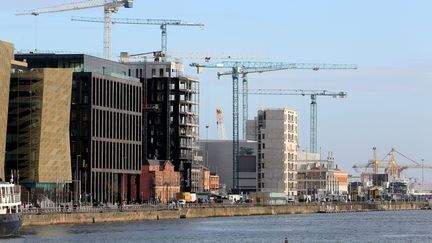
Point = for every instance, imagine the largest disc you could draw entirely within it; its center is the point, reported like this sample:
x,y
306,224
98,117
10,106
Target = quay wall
x,y
204,212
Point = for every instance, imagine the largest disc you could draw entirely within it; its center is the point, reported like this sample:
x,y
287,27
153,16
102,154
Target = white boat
x,y
10,215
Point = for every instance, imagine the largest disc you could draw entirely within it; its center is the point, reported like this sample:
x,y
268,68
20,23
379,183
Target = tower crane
x,y
246,71
163,23
240,67
110,7
313,106
220,123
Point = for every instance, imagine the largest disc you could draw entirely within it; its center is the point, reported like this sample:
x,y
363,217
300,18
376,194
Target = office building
x,y
38,151
6,57
105,125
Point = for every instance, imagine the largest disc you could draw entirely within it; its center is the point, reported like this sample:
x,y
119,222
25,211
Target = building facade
x,y
105,126
38,127
219,155
276,133
214,184
6,57
318,177
170,116
160,182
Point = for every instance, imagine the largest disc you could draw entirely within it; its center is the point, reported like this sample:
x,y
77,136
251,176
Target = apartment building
x,y
275,130
170,117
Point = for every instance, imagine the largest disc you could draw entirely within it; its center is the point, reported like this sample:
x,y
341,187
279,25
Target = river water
x,y
390,226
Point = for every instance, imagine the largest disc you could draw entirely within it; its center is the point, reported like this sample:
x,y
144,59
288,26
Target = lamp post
x,y
206,144
4,156
76,178
422,185
123,180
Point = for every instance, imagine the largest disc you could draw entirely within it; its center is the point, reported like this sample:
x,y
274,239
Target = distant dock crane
x,y
110,7
390,166
241,67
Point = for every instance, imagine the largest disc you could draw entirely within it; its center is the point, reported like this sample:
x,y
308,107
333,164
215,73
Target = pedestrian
x,y
286,240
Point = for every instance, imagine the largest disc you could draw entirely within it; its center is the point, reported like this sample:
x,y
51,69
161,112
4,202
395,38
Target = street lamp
x,y
76,177
206,144
422,185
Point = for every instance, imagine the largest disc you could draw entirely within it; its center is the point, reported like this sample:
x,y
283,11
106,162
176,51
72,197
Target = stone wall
x,y
78,218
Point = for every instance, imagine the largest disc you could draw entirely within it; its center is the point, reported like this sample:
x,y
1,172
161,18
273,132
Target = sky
x,y
388,96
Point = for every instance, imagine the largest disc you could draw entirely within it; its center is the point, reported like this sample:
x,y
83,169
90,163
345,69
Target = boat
x,y
10,215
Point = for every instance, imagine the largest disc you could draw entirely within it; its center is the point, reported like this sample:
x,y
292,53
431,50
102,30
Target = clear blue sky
x,y
388,97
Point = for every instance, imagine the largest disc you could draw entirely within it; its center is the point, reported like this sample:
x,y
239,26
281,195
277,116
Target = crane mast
x,y
240,67
110,7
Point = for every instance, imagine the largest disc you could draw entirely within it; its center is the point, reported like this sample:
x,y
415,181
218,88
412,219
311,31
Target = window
x,y
263,145
161,72
153,72
263,136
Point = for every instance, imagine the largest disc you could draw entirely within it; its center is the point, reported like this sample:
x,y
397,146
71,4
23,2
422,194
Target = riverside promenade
x,y
88,215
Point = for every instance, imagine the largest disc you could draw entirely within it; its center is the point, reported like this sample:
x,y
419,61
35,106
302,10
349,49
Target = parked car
x,y
181,202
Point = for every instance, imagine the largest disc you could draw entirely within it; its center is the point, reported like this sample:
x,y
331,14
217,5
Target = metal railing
x,y
159,207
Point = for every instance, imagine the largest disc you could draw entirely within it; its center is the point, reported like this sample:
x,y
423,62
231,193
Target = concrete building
x,y
219,154
105,125
159,182
275,130
171,117
6,57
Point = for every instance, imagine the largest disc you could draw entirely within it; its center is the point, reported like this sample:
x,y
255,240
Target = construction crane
x,y
246,71
313,106
240,67
163,23
110,7
389,165
220,123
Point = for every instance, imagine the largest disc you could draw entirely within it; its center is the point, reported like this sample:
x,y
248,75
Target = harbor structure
x,y
105,125
275,131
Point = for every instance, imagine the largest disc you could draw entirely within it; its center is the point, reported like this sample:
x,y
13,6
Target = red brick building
x,y
206,179
159,181
214,183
